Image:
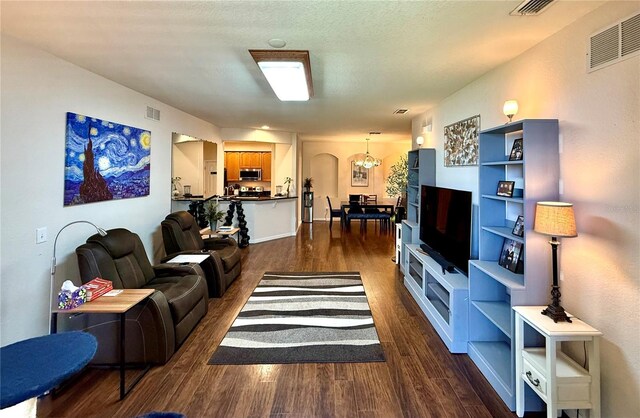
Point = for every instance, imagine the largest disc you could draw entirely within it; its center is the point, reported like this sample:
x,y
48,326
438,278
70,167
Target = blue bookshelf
x,y
494,290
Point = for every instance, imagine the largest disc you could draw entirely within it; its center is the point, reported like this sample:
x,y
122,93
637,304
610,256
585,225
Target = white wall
x,y
600,167
37,91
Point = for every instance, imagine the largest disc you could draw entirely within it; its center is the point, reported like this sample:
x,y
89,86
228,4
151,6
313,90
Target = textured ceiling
x,y
367,58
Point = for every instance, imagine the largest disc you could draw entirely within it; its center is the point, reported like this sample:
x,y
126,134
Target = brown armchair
x,y
161,323
181,235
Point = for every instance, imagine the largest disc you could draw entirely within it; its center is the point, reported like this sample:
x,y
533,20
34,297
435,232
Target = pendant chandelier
x,y
367,160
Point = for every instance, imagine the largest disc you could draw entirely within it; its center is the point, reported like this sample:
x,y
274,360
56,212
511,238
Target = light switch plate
x,y
41,235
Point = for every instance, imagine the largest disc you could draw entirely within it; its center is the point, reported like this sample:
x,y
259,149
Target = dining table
x,y
388,205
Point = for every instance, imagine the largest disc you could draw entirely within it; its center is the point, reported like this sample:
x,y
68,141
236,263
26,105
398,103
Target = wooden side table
x,y
119,304
226,233
554,377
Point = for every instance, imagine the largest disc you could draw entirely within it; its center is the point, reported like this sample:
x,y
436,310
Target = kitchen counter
x,y
267,218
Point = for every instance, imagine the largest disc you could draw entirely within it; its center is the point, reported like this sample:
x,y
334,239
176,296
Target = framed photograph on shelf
x,y
510,255
518,227
516,150
505,188
359,175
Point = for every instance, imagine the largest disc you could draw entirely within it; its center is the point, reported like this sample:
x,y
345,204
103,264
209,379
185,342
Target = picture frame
x,y
359,175
510,255
505,188
461,142
518,227
516,151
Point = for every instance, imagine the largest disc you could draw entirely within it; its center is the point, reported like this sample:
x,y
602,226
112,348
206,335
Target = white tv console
x,y
442,297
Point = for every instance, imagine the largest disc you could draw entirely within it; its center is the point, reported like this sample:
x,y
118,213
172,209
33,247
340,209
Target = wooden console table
x,y
119,304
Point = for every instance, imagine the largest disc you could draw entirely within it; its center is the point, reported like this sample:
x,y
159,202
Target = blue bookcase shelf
x,y
494,290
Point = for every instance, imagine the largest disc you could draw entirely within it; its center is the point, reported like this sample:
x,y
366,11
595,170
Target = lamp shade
x,y
510,107
420,140
555,219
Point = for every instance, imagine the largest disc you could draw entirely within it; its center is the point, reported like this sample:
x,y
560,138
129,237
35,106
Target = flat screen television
x,y
445,225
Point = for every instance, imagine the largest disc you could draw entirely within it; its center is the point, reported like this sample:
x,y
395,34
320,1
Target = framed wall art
x,y
359,175
104,160
461,142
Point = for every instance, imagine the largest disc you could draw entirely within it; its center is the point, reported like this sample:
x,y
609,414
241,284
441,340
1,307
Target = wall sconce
x,y
510,109
420,141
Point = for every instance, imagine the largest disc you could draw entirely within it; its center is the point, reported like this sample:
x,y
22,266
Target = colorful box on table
x,y
70,300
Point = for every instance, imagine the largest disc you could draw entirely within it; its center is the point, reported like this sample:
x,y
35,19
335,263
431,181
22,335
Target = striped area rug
x,y
303,318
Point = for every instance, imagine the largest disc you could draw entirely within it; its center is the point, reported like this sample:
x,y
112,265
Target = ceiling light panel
x,y
288,73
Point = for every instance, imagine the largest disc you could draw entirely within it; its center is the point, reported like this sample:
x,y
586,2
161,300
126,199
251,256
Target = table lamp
x,y
101,231
555,219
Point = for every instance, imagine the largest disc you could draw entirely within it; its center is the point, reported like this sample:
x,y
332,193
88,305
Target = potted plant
x,y
213,214
175,182
307,184
397,180
288,181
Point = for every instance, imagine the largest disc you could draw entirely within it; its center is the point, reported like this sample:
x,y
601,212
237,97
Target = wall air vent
x,y
152,113
531,7
614,43
400,111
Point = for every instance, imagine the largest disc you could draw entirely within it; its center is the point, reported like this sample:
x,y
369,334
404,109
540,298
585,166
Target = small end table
x,y
555,377
227,233
119,304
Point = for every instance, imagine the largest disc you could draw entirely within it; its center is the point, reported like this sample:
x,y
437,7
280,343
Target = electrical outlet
x,y
41,235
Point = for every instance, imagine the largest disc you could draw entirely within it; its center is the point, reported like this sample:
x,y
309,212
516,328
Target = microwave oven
x,y
251,174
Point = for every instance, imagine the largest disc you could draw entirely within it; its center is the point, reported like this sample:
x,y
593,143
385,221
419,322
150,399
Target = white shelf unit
x,y
443,297
494,290
543,369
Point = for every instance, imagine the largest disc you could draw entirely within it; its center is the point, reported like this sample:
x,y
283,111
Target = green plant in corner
x,y
397,180
213,214
307,184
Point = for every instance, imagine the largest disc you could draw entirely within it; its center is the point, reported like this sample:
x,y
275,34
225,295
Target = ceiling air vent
x,y
374,133
531,7
614,43
152,113
400,111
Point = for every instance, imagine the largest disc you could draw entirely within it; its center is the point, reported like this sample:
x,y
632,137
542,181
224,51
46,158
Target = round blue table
x,y
32,367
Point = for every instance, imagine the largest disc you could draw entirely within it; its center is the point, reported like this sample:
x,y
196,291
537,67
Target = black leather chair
x,y
181,235
156,327
334,213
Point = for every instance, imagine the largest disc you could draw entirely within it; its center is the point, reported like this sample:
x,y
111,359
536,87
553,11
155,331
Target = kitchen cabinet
x,y
250,160
234,161
266,166
232,164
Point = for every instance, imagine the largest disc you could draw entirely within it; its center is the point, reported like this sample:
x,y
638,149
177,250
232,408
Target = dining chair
x,y
355,198
334,213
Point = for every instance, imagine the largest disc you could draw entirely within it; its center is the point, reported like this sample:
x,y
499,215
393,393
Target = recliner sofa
x,y
181,235
156,327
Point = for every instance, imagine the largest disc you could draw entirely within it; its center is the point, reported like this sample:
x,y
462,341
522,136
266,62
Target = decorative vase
x,y
213,225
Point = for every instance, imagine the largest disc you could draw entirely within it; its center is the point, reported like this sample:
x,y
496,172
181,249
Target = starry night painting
x,y
104,161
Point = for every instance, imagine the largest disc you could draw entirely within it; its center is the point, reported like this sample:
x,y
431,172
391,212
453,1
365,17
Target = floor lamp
x,y
555,219
101,231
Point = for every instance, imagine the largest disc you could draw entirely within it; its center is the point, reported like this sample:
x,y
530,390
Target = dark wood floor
x,y
420,378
